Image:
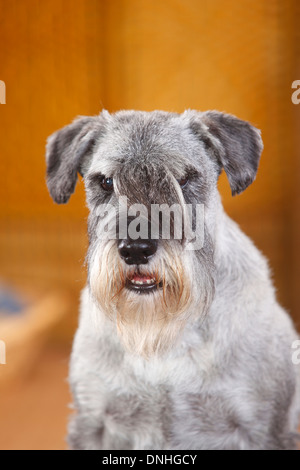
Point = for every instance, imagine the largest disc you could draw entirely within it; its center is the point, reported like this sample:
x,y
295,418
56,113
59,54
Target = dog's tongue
x,y
141,277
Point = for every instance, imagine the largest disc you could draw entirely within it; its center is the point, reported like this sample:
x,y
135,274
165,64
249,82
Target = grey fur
x,y
65,153
228,381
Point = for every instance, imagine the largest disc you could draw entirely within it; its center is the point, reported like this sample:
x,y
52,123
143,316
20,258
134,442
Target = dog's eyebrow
x,y
192,173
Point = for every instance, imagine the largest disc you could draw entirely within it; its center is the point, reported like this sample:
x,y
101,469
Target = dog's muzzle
x,y
138,252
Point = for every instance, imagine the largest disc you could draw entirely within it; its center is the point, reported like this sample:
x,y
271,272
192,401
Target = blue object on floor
x,y
10,302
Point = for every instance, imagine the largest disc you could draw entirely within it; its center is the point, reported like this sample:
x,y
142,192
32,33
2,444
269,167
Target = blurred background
x,y
63,58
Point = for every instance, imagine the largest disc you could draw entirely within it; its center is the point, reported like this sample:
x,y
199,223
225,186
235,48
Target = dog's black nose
x,y
137,251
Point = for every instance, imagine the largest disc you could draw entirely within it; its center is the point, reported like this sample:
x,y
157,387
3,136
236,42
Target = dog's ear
x,y
67,152
238,149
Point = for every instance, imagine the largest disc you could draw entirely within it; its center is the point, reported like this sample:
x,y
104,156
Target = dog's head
x,y
148,177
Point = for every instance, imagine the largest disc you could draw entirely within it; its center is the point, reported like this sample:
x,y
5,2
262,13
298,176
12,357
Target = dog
x,y
178,346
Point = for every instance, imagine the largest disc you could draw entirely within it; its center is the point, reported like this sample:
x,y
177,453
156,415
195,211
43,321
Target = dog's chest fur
x,y
199,396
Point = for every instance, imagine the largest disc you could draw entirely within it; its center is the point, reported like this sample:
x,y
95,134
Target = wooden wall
x,y
62,58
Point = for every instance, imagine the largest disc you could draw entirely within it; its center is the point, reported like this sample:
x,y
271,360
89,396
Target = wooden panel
x,y
51,63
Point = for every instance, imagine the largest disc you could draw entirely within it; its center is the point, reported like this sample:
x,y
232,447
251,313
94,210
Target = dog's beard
x,y
148,323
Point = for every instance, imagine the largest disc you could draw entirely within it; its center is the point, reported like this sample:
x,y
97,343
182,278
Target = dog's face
x,y
147,277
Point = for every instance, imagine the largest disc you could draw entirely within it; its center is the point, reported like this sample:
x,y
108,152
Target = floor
x,y
34,412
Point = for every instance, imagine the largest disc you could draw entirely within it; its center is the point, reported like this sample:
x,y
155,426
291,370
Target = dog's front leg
x,y
88,433
139,425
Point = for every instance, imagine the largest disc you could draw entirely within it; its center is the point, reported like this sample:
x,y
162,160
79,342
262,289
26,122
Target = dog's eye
x,y
107,184
183,181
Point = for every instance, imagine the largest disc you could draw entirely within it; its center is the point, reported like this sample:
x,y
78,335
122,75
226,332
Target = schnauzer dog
x,y
181,343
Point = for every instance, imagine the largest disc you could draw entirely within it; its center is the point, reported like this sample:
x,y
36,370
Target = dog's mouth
x,y
143,283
